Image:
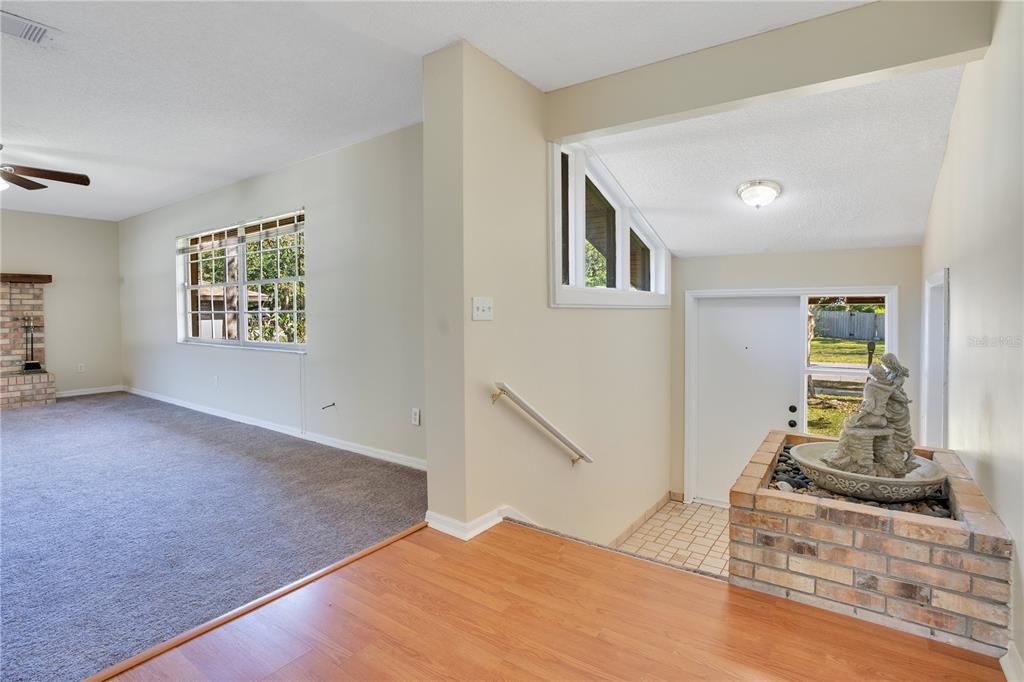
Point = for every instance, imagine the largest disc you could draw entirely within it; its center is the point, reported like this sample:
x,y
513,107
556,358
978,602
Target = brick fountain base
x,y
946,579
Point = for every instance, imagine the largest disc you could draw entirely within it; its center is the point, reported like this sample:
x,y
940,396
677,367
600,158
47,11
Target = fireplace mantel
x,y
19,278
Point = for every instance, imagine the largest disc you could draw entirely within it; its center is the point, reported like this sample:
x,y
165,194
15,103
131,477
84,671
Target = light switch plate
x,y
483,308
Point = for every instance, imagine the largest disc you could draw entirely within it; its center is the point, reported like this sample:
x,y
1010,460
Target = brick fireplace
x,y
943,578
22,333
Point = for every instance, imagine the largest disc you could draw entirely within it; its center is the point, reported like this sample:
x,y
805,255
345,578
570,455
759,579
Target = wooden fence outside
x,y
836,324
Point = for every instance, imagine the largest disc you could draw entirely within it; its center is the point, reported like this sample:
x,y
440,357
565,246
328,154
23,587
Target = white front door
x,y
750,355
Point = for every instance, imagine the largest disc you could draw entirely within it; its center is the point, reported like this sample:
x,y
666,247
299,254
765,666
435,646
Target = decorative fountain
x,y
874,458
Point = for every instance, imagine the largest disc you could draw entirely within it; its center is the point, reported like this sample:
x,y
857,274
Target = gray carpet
x,y
126,521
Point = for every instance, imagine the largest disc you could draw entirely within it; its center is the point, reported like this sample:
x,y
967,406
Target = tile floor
x,y
694,536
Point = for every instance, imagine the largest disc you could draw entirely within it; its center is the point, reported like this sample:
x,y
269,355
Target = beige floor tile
x,y
689,536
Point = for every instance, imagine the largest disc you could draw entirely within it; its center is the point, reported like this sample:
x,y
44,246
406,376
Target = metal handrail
x,y
505,390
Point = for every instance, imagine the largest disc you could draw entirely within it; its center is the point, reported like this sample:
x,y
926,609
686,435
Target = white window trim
x,y
242,342
582,165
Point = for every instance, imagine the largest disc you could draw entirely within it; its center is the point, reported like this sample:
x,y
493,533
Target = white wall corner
x,y
330,441
1013,664
90,391
467,530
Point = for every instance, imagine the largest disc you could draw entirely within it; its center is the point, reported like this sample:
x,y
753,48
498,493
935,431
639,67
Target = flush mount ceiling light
x,y
758,193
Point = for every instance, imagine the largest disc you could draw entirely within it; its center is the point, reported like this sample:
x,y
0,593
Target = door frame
x,y
937,282
691,359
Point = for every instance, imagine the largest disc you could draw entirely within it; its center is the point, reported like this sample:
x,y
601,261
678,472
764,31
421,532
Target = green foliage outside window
x,y
597,266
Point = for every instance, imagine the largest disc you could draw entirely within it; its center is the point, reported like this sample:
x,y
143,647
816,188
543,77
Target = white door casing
x,y
935,360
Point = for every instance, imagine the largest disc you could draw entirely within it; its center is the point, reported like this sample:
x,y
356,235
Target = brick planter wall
x,y
17,389
947,579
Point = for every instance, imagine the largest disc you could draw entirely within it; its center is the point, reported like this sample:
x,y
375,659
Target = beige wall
x,y
975,229
443,291
856,267
365,353
598,374
83,321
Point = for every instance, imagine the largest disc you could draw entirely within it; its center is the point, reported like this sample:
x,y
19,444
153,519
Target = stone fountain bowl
x,y
925,482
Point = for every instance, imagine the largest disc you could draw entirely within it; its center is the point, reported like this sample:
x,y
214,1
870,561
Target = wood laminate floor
x,y
516,603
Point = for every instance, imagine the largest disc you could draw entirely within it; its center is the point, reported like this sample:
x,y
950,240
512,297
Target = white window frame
x,y
892,345
243,342
584,164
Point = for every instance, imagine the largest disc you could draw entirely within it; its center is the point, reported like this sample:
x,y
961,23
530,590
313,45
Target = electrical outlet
x,y
415,416
81,367
216,380
483,308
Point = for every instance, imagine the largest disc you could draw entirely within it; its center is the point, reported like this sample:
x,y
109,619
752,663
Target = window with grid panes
x,y
245,285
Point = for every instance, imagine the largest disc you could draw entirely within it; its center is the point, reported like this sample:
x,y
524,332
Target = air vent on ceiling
x,y
26,29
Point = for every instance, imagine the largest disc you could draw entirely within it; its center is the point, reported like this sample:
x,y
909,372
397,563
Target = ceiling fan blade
x,y
47,174
24,183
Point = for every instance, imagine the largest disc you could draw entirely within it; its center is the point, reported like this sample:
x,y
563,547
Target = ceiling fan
x,y
19,175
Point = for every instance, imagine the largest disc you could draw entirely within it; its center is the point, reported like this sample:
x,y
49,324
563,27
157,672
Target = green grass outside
x,y
826,413
843,350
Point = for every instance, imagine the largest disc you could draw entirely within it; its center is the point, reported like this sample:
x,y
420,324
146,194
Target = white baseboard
x,y
1013,664
89,391
376,453
330,441
466,530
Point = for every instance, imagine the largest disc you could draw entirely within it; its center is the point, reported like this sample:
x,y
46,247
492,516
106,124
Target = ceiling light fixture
x,y
758,193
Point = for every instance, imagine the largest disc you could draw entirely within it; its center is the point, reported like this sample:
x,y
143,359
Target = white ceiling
x,y
858,168
161,101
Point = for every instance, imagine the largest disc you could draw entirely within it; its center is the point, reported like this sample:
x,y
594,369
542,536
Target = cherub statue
x,y
876,440
877,391
897,410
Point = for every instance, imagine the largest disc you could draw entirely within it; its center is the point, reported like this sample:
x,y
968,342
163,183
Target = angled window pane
x,y
639,263
599,248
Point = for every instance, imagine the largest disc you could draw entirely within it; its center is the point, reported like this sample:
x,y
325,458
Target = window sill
x,y
576,297
232,346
